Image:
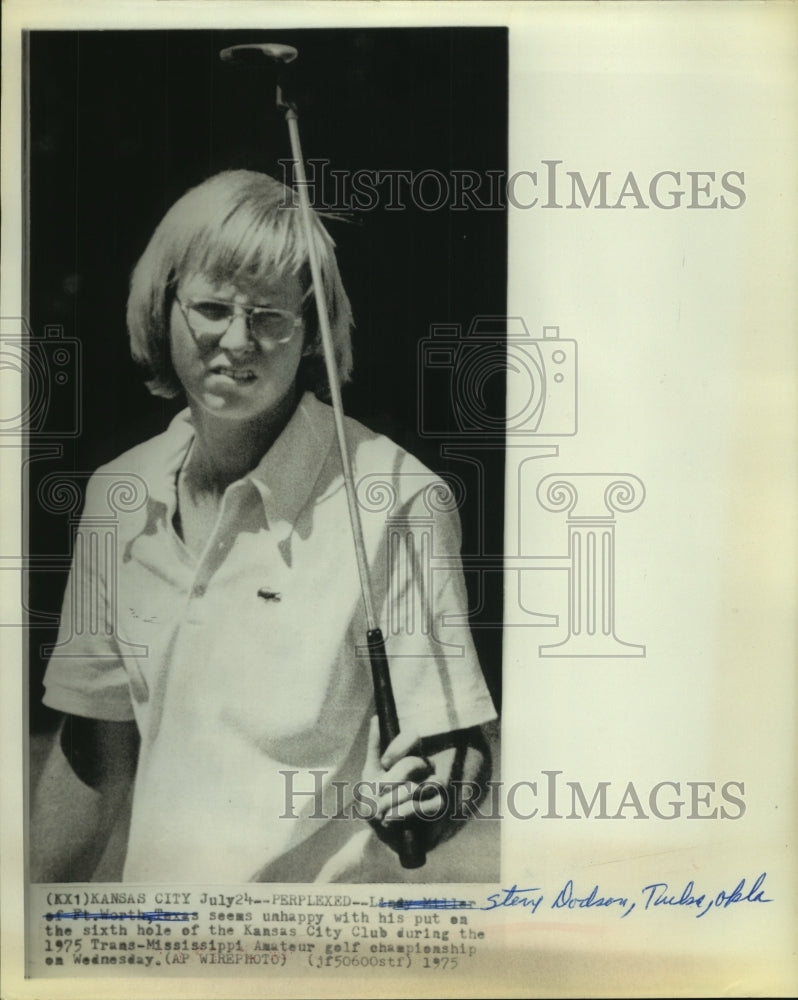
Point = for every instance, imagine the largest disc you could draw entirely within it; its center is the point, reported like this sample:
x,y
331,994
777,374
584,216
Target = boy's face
x,y
233,363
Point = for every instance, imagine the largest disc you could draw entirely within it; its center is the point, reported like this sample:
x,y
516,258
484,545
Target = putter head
x,y
272,51
258,55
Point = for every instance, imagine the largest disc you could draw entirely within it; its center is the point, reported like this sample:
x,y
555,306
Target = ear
x,y
312,344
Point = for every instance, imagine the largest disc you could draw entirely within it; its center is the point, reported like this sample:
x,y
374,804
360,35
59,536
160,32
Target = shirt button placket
x,y
220,540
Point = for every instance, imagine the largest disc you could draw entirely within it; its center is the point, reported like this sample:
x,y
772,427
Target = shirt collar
x,y
287,473
284,477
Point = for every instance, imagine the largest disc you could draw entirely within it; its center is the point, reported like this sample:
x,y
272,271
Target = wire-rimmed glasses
x,y
212,318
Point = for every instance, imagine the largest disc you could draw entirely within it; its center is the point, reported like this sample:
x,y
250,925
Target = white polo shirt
x,y
249,661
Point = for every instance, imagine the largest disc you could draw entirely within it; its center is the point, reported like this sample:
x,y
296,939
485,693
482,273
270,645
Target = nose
x,y
236,337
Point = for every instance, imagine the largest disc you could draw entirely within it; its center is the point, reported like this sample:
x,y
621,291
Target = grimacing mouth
x,y
238,373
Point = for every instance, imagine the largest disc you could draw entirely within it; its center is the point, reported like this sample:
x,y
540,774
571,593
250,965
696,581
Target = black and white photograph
x,y
233,588
398,433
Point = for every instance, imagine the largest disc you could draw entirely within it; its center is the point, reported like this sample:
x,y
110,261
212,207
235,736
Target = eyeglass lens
x,y
214,318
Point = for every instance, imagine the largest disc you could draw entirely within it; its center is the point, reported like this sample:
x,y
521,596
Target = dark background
x,y
123,122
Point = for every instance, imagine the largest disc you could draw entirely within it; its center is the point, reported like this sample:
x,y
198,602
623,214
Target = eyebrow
x,y
232,302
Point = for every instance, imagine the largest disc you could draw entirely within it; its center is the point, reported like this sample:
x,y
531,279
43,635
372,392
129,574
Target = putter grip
x,y
411,849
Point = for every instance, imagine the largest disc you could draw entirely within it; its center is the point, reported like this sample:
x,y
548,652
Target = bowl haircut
x,y
238,227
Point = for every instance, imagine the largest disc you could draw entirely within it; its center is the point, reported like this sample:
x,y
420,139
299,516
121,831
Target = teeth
x,y
239,375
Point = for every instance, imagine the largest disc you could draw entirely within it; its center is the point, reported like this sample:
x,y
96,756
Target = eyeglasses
x,y
213,317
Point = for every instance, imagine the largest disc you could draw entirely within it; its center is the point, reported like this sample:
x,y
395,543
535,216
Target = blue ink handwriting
x,y
147,915
515,897
427,904
566,898
654,895
659,895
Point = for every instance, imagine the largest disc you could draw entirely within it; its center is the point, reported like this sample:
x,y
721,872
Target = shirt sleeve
x,y
436,676
86,674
